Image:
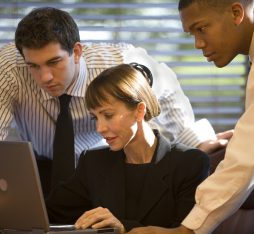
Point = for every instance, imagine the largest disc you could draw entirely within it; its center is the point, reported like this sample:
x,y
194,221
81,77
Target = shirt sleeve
x,y
8,91
176,121
227,188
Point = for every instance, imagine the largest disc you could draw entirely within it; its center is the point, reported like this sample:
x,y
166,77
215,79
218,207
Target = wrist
x,y
185,230
122,229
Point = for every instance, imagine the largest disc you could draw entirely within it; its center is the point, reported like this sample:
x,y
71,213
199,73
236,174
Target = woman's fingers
x,y
89,218
98,218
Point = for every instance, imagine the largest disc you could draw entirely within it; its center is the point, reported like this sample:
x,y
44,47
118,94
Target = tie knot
x,y
64,100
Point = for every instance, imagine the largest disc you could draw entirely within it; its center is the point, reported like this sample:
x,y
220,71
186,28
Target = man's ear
x,y
141,111
238,12
77,51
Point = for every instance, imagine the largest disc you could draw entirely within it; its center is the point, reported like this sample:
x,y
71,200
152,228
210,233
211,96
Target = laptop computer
x,y
22,206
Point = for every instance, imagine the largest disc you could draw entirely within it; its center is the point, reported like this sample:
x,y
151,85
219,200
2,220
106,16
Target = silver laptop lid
x,y
21,200
22,206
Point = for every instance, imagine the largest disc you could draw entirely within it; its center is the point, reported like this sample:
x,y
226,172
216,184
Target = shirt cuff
x,y
197,133
195,219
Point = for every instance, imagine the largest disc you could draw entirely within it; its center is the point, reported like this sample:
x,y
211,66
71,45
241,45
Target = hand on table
x,y
99,218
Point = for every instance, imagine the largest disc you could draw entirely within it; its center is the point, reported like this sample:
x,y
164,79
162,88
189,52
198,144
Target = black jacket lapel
x,y
155,185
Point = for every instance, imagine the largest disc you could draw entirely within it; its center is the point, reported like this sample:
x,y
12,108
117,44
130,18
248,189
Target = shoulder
x,y
105,47
185,154
10,57
178,153
189,164
98,54
182,148
13,69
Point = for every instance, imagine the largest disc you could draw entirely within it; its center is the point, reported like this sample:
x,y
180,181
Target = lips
x,y
209,56
51,86
110,140
53,90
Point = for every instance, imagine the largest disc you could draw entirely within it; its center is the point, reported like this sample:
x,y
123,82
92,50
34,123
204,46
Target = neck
x,y
141,149
248,24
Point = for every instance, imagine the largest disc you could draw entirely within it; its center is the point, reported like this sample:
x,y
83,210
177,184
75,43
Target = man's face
x,y
52,67
214,32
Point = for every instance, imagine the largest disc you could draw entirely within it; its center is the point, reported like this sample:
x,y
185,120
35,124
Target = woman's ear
x,y
77,51
141,111
238,12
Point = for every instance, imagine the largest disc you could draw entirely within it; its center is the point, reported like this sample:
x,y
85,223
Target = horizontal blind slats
x,y
74,5
217,94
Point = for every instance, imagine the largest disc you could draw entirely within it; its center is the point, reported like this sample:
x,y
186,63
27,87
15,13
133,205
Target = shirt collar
x,y
251,51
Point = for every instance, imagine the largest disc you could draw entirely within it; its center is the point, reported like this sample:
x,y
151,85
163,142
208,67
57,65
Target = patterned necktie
x,y
63,153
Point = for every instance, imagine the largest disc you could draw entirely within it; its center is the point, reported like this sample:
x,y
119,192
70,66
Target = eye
x,y
201,29
108,115
33,66
53,62
93,117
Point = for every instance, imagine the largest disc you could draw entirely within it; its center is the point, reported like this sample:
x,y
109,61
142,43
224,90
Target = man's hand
x,y
159,230
222,140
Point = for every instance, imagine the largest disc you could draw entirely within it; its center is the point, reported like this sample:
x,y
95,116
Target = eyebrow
x,y
102,111
105,110
48,61
190,28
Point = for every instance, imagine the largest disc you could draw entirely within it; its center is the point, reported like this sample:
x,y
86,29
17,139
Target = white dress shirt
x,y
222,193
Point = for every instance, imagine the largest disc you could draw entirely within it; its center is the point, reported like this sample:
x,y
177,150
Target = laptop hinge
x,y
37,231
12,231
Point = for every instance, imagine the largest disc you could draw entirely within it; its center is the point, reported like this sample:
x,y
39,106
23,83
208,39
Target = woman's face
x,y
116,123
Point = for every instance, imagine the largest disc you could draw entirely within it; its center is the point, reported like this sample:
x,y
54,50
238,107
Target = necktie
x,y
63,148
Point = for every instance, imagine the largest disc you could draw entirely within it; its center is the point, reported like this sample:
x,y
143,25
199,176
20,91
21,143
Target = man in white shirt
x,y
222,29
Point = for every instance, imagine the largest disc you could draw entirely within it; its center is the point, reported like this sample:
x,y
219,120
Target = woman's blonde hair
x,y
127,83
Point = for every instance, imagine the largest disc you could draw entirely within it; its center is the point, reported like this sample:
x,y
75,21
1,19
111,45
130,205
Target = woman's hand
x,y
99,218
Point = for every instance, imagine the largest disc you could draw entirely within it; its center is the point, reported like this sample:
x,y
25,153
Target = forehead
x,y
110,104
44,54
196,14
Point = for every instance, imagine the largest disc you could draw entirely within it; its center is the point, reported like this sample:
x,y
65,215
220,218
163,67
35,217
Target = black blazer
x,y
99,180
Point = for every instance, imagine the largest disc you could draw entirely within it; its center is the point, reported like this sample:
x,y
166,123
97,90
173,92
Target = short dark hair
x,y
45,25
211,3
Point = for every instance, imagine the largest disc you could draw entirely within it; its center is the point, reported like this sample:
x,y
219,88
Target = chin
x,y
223,61
54,93
221,64
115,148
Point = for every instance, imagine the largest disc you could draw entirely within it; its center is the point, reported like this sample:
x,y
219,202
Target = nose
x,y
101,126
45,74
199,43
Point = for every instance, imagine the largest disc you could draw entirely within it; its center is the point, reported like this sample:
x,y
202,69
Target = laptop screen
x,y
21,199
22,206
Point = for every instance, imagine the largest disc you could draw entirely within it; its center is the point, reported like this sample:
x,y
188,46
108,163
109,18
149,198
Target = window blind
x,y
215,94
